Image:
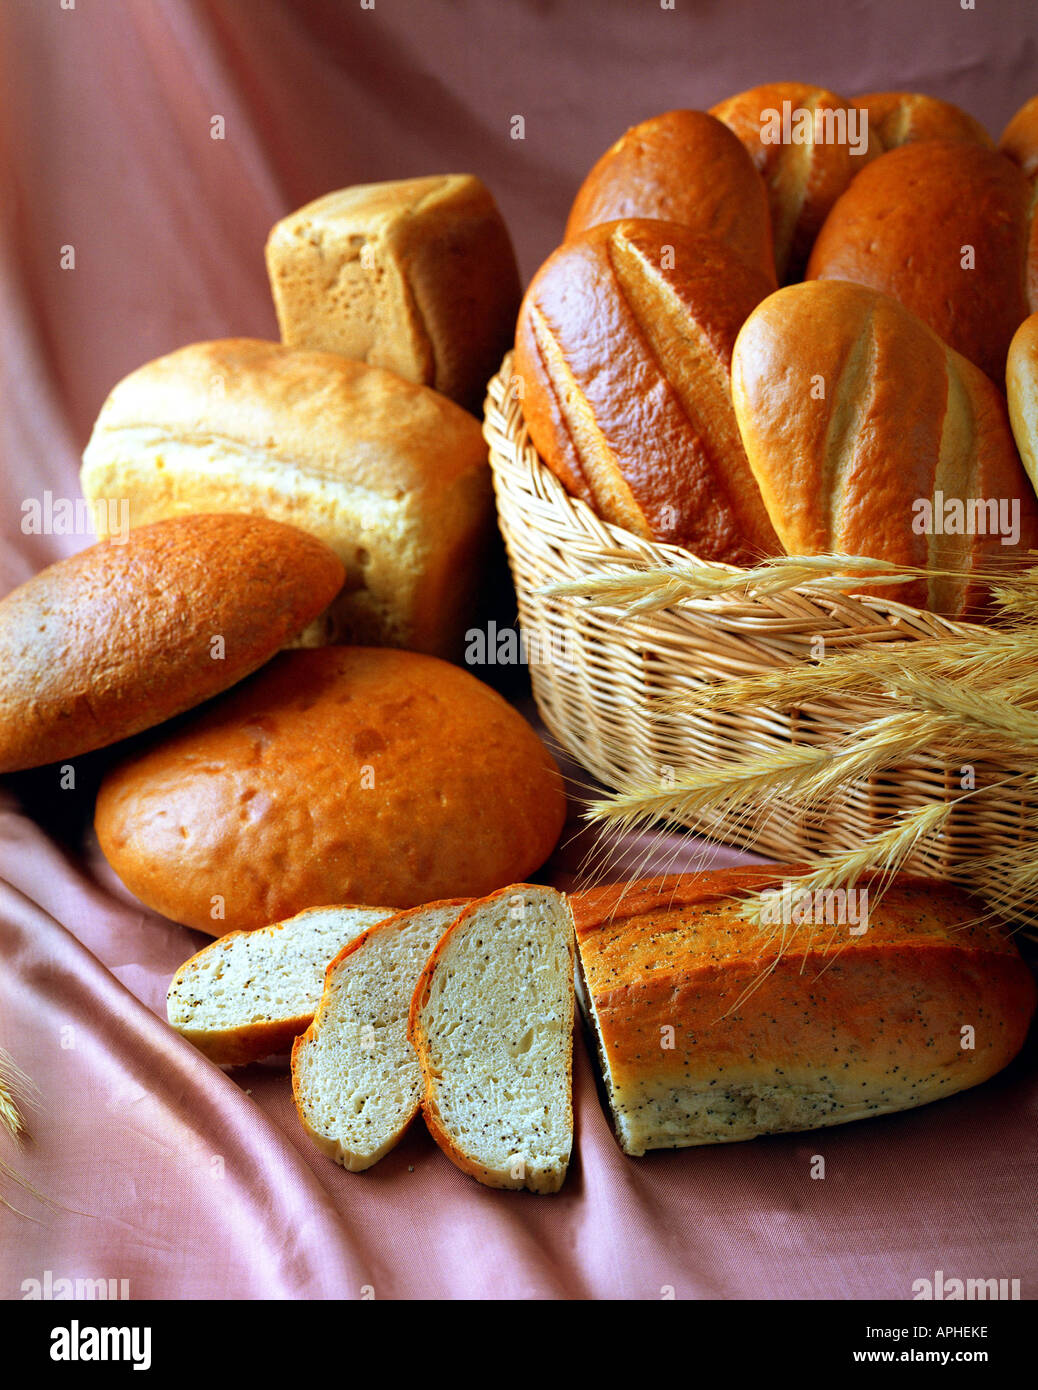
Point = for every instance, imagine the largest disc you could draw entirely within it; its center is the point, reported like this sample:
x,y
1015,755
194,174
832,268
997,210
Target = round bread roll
x,y
1019,140
943,227
336,775
900,118
687,167
624,347
803,179
129,633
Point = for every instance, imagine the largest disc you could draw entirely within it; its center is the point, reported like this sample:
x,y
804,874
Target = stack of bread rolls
x,y
861,408
330,493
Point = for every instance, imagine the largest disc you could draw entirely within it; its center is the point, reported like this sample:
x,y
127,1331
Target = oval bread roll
x,y
687,167
804,179
942,226
899,118
337,775
623,348
126,634
712,1029
857,419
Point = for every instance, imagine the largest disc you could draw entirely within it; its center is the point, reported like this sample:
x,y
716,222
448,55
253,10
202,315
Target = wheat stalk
x,y
645,589
13,1079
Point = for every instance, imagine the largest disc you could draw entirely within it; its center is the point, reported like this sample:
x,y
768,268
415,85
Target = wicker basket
x,y
597,675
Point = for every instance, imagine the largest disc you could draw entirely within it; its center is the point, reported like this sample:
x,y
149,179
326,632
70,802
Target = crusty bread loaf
x,y
416,275
623,350
899,118
711,1029
129,633
803,179
355,1076
869,436
250,994
392,476
492,1024
1019,140
1022,389
687,167
943,226
338,775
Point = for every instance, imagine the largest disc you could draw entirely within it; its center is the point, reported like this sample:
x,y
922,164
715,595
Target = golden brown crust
x,y
392,476
831,1013
685,167
906,226
624,348
1019,140
899,118
127,634
417,275
335,775
874,418
803,180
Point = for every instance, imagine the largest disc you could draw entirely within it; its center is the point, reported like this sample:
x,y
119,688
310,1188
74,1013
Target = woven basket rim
x,y
508,439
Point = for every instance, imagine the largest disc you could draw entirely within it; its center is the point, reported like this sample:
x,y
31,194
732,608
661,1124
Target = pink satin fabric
x,y
161,1169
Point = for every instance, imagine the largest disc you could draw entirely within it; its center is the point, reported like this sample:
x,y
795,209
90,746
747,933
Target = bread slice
x,y
355,1076
250,993
492,1023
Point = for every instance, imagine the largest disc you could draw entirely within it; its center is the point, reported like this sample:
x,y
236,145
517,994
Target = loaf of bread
x,y
392,476
128,633
687,167
1019,140
711,1029
492,1023
623,350
355,1076
337,775
250,994
808,143
1022,389
942,226
900,118
416,275
869,436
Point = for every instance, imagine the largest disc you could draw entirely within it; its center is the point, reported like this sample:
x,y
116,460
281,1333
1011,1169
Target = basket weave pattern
x,y
600,677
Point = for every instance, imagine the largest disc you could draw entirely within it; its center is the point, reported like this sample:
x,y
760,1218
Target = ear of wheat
x,y
15,1083
973,696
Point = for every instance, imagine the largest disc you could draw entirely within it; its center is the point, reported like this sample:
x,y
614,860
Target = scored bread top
x,y
875,415
129,633
623,346
803,180
899,118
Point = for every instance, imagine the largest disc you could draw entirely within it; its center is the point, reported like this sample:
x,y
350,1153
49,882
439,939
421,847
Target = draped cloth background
x,y
161,1169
